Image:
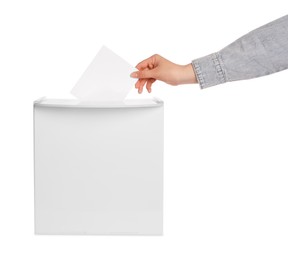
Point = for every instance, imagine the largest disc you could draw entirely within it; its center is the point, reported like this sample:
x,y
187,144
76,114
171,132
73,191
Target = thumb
x,y
143,74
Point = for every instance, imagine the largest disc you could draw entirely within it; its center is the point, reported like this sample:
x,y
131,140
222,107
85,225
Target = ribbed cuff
x,y
209,70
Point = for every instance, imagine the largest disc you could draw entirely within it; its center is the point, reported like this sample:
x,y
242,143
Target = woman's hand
x,y
158,68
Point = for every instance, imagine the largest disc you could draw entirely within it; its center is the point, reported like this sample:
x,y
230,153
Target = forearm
x,y
261,52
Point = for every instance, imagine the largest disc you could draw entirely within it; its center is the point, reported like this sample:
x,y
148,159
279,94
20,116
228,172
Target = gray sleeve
x,y
260,52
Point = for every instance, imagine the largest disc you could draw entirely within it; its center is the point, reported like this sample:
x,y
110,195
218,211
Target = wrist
x,y
189,76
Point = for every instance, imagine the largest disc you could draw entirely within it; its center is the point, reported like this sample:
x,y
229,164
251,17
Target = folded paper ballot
x,y
106,79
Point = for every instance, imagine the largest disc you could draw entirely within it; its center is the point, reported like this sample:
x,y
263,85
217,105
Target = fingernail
x,y
134,75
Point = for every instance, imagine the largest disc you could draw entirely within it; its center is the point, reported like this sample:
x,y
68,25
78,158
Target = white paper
x,y
106,79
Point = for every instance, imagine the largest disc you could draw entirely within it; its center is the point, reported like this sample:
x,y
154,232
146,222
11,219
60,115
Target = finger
x,y
137,83
145,63
150,66
149,85
141,85
144,74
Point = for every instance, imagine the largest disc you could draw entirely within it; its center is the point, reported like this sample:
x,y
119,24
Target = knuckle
x,y
156,58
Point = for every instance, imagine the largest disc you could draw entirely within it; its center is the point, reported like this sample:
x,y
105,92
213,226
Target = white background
x,y
226,147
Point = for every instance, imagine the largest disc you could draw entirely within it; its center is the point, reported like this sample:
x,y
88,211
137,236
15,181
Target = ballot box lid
x,y
75,103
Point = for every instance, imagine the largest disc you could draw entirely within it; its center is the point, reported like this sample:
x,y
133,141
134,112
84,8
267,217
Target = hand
x,y
158,68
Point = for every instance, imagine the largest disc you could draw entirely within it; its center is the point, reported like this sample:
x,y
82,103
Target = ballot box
x,y
98,167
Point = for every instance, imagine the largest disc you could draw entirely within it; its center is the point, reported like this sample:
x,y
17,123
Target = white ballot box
x,y
98,167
